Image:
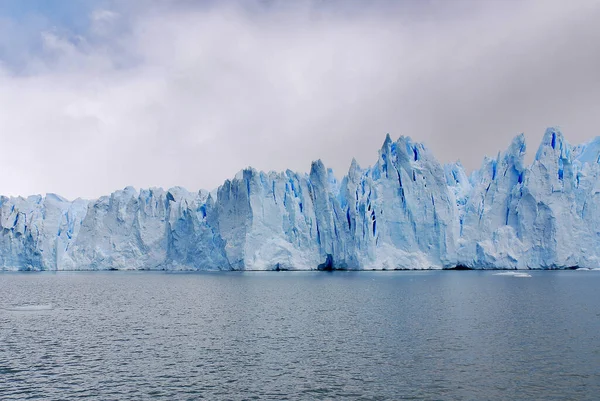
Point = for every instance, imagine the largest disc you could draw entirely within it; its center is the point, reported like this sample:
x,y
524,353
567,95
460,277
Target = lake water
x,y
300,335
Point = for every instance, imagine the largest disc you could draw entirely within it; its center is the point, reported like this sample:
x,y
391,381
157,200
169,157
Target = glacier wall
x,y
407,211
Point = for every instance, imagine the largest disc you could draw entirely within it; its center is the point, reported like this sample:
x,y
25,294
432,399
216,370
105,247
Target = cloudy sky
x,y
96,95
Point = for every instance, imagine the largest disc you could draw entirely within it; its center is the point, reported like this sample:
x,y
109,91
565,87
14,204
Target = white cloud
x,y
188,96
103,22
104,16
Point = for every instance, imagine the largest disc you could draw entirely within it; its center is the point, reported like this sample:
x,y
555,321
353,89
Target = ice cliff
x,y
407,211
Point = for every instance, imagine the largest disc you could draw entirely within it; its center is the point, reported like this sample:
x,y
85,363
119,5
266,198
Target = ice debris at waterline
x,y
408,211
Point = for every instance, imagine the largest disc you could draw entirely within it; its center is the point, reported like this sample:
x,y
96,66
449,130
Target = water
x,y
300,335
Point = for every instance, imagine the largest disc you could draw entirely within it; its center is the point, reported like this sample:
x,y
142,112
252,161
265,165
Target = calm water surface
x,y
300,335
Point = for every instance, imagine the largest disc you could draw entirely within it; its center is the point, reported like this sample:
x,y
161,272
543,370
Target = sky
x,y
96,95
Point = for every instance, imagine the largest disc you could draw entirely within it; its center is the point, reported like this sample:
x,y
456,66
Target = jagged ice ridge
x,y
406,212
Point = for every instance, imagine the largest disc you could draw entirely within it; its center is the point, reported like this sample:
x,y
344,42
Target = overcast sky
x,y
97,95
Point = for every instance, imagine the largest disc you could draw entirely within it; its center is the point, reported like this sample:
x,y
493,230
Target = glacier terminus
x,y
407,211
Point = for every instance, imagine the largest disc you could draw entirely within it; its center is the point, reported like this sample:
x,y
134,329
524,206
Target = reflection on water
x,y
300,335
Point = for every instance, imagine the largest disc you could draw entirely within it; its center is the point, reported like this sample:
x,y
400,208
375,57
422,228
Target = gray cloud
x,y
188,96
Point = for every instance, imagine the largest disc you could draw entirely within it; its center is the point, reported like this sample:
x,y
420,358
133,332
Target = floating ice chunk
x,y
30,308
513,274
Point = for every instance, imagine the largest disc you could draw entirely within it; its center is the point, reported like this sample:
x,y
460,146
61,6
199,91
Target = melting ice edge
x,y
406,212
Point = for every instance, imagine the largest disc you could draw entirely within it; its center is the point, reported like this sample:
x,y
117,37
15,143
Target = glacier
x,y
407,211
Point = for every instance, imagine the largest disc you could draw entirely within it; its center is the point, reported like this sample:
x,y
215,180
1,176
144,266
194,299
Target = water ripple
x,y
294,336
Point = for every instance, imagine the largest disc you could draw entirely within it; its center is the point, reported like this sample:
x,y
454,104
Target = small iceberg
x,y
513,274
588,269
30,308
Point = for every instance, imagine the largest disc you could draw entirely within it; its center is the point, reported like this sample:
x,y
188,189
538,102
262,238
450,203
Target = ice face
x,y
407,211
37,231
538,216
